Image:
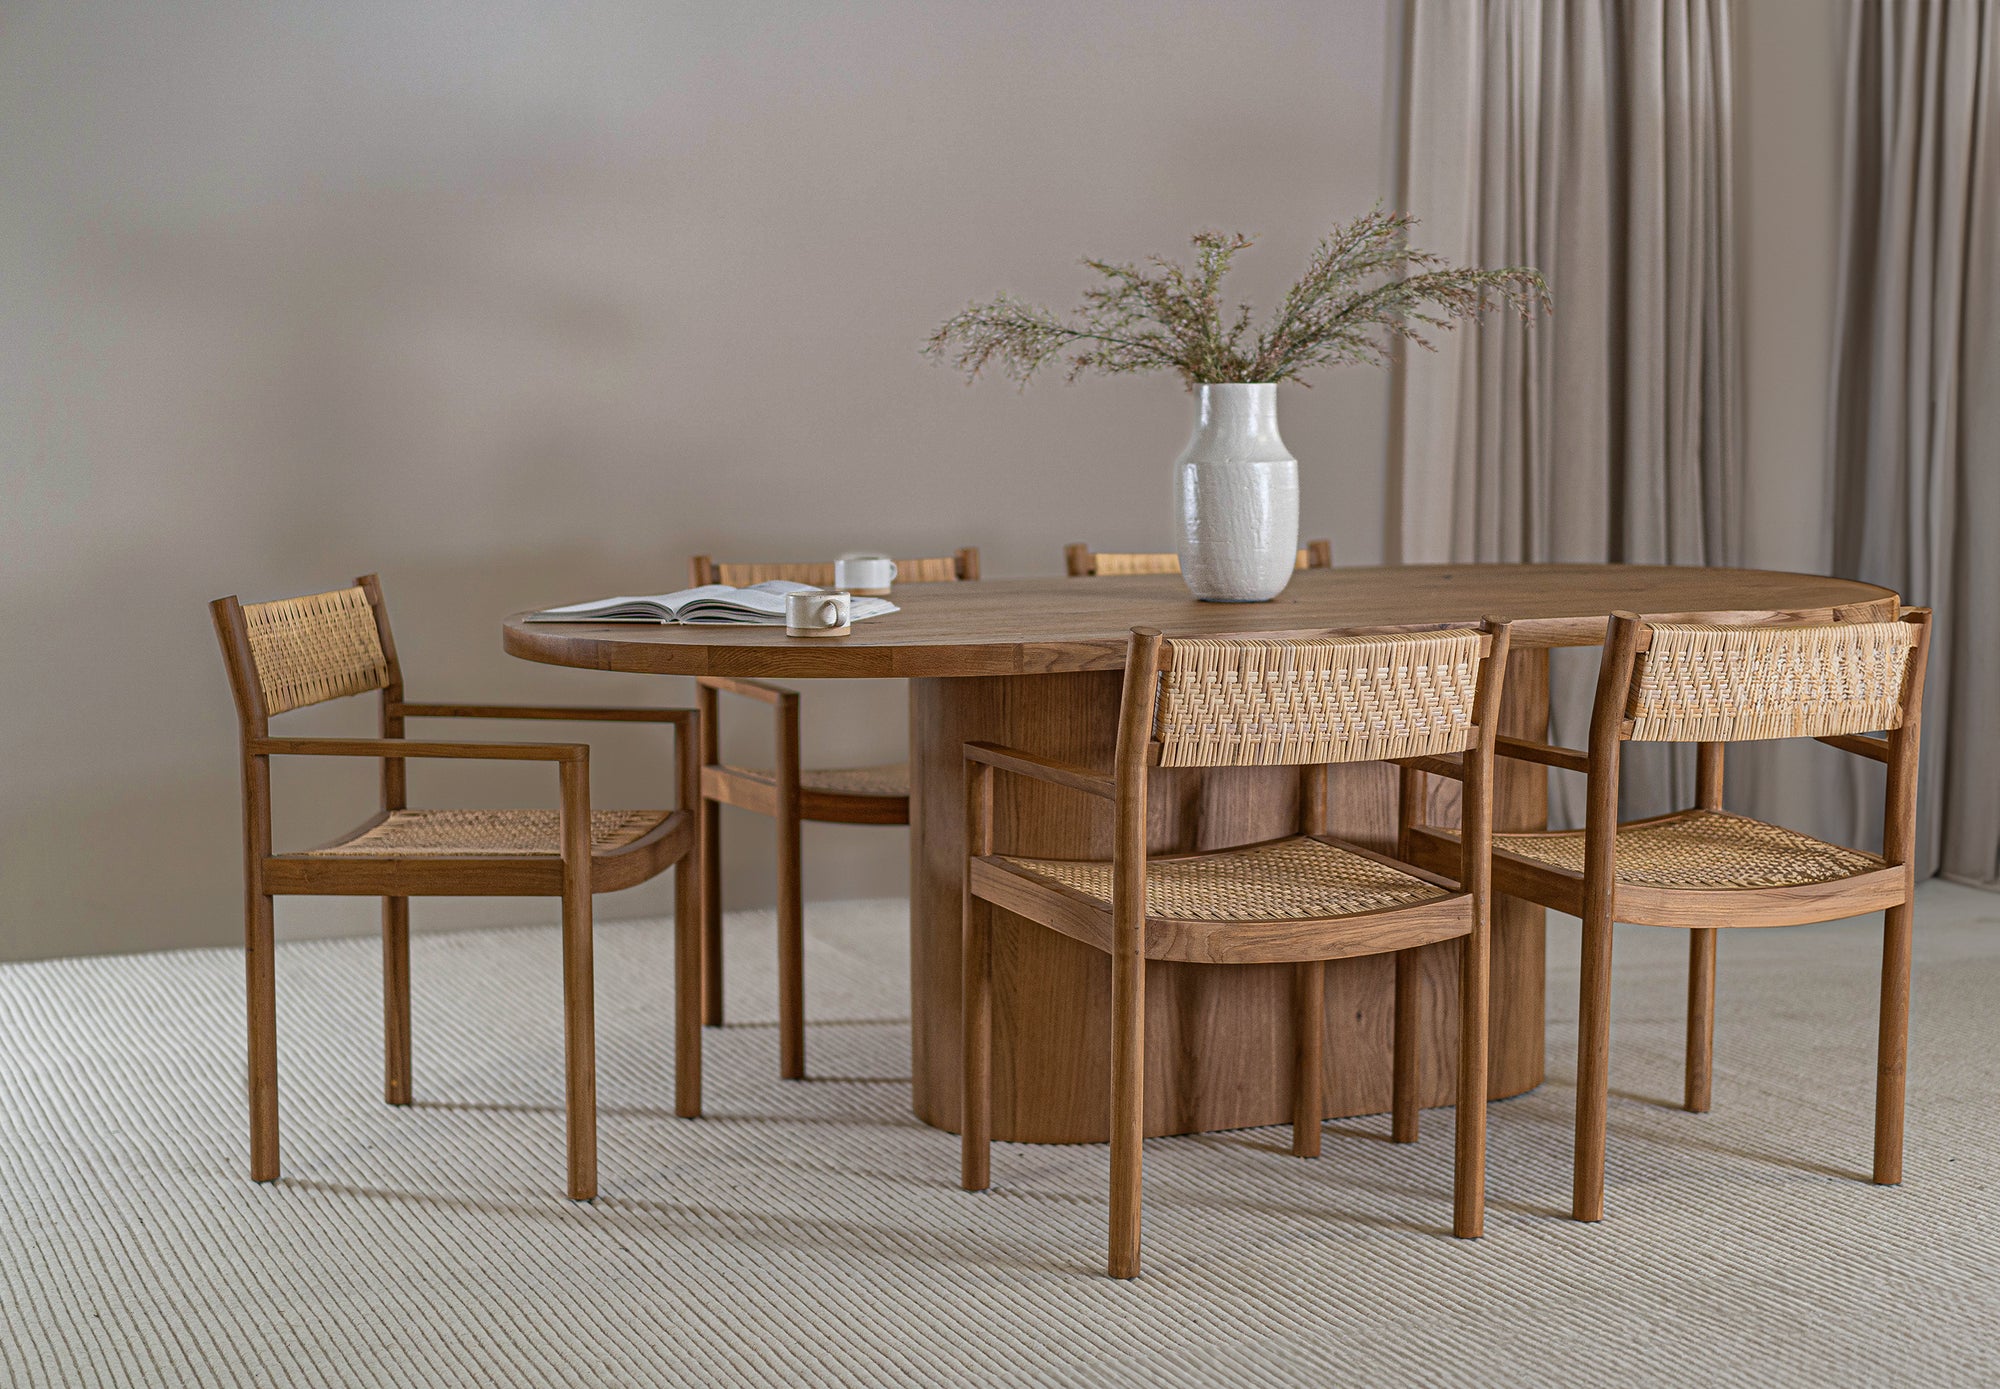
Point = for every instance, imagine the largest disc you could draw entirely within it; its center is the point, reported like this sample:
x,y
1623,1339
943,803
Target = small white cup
x,y
818,612
870,574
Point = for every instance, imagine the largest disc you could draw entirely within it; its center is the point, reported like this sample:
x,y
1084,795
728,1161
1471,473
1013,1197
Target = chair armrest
x,y
1451,765
1528,750
578,713
1860,744
1046,769
401,747
749,689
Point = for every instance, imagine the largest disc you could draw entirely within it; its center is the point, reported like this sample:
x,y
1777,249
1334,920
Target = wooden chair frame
x,y
1132,935
573,876
782,795
1084,562
1596,896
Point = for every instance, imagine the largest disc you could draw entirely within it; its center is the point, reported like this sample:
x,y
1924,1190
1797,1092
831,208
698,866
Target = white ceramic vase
x,y
1237,497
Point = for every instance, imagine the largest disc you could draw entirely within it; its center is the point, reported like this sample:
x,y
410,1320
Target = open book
x,y
759,603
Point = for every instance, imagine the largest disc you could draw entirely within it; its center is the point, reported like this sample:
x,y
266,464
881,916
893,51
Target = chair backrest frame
x,y
1138,752
1629,638
254,710
961,565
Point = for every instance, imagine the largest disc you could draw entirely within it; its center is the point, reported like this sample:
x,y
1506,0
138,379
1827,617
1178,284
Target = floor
x,y
814,1233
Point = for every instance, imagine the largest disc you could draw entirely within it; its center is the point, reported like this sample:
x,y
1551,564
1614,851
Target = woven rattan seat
x,y
1703,849
1299,879
888,779
482,832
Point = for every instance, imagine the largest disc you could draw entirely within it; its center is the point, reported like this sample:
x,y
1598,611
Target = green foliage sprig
x,y
1364,288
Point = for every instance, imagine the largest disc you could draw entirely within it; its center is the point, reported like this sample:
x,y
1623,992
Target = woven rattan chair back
x,y
1717,684
935,569
312,649
1241,702
1083,562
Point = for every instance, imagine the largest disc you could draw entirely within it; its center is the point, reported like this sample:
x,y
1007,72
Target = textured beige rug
x,y
813,1233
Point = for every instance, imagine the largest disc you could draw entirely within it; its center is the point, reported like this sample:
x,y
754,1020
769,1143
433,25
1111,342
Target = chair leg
x,y
1128,1108
1309,1030
579,1046
1593,1068
1406,1064
975,1141
711,912
689,985
791,954
261,977
396,1000
1469,1157
1701,1019
1892,1045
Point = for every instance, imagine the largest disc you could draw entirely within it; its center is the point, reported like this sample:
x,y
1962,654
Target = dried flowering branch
x,y
1364,288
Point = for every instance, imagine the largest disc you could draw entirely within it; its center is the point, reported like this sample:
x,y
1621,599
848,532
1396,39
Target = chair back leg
x,y
1309,1044
1128,1106
975,1169
1593,1064
396,1000
1700,1019
711,912
1892,1044
1469,1152
690,991
261,977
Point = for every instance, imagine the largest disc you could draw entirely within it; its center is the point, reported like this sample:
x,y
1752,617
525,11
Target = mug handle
x,y
829,613
892,570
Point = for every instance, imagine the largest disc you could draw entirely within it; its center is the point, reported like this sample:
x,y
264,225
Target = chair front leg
x,y
1407,1057
975,1125
1309,1044
1700,1020
396,1000
1128,1106
579,984
791,902
1469,1174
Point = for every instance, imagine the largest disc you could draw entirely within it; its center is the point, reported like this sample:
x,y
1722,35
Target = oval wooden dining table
x,y
1036,663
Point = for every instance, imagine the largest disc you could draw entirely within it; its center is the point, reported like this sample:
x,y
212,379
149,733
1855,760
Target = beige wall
x,y
519,303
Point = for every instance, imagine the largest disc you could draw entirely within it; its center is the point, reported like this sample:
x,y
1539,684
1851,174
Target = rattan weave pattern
x,y
1297,879
1703,849
1109,564
1700,683
489,832
1168,563
888,779
319,647
1240,702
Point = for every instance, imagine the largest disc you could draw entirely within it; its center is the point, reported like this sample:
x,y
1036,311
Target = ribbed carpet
x,y
813,1233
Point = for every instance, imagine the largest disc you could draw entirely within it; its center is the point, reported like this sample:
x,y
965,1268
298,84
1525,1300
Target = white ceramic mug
x,y
870,574
818,612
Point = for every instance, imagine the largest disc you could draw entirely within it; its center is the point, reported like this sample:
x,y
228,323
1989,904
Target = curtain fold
x,y
1591,139
1915,423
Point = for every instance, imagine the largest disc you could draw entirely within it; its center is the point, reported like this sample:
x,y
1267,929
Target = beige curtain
x,y
1916,413
1591,139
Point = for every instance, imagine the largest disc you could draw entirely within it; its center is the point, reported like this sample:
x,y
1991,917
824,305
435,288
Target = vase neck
x,y
1241,410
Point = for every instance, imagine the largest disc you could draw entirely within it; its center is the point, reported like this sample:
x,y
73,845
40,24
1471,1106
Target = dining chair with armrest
x,y
1428,699
789,793
1703,869
294,652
